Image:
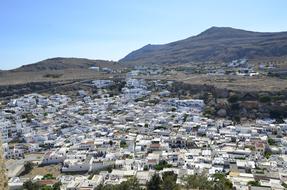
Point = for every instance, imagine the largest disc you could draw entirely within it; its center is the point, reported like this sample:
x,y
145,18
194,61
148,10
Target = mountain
x,y
214,44
60,63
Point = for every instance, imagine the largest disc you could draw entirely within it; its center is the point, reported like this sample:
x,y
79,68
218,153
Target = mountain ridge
x,y
213,44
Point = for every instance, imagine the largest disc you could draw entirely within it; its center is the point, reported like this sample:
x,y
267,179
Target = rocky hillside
x,y
237,105
214,44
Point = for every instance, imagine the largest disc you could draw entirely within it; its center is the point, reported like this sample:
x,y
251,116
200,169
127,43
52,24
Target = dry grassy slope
x,y
214,44
22,77
57,69
261,83
60,63
236,83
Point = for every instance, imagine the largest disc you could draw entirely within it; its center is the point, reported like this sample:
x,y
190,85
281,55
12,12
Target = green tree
x,y
267,154
264,99
123,144
46,188
57,186
197,182
190,182
154,183
28,166
271,141
254,183
169,181
145,167
130,184
48,176
284,185
221,182
162,164
29,185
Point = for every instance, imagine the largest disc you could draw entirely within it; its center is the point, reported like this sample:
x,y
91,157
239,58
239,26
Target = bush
x,y
221,181
233,99
28,166
48,176
52,75
123,144
154,183
29,185
169,181
145,168
201,182
264,99
131,184
267,155
271,142
278,97
254,183
284,185
162,164
57,186
209,111
236,119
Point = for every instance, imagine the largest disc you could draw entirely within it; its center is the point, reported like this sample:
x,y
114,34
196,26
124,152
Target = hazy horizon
x,y
34,30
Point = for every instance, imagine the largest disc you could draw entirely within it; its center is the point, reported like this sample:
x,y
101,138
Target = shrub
x,y
48,176
208,111
131,184
154,183
233,99
169,181
31,186
236,119
201,182
254,183
271,141
28,166
284,185
52,75
267,155
123,144
145,168
264,99
162,164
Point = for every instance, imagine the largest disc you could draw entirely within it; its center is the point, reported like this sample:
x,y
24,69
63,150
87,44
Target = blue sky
x,y
33,30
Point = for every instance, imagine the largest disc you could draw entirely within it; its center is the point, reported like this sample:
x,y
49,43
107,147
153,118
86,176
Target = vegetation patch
x,y
161,165
54,76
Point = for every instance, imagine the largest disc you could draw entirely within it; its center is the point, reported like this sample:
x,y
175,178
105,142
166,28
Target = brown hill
x,y
58,69
60,63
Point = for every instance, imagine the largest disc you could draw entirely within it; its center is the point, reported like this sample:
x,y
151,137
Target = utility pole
x,y
3,177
